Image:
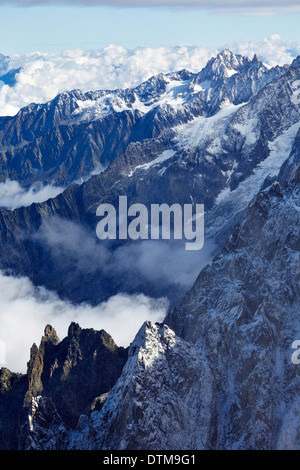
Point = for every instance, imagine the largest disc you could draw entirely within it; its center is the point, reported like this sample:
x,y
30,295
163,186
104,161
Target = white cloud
x,y
13,195
160,261
273,50
25,310
44,75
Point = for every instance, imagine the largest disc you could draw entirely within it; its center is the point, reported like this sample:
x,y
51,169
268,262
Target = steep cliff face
x,y
220,375
75,371
243,315
12,390
76,133
210,138
73,374
150,407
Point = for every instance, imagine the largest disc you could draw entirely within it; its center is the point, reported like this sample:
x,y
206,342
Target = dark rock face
x,y
9,78
218,373
243,315
225,124
43,412
75,133
74,371
72,374
222,377
12,390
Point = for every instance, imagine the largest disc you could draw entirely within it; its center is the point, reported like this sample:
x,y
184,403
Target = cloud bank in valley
x,y
13,195
44,75
163,261
25,310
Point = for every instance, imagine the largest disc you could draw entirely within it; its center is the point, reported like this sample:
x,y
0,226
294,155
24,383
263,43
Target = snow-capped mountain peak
x,y
218,372
183,91
296,62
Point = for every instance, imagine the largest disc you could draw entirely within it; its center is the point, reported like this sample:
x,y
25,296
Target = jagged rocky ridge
x,y
218,373
77,133
73,374
211,138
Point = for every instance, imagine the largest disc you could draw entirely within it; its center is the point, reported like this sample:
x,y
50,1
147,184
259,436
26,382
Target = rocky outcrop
x,y
220,375
192,140
12,390
243,316
70,374
144,406
74,371
9,78
44,427
77,133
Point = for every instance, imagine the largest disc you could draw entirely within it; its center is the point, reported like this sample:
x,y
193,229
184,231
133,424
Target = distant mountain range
x,y
9,78
75,133
4,62
217,373
211,138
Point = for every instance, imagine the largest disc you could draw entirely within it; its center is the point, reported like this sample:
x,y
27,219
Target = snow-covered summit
x,y
218,374
179,89
225,64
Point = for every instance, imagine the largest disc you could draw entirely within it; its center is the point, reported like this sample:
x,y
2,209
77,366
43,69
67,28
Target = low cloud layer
x,y
44,75
25,310
163,261
13,195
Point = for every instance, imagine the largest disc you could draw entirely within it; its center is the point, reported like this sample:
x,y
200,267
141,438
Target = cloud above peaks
x,y
25,310
44,75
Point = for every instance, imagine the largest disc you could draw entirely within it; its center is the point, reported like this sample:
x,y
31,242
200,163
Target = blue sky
x,y
52,28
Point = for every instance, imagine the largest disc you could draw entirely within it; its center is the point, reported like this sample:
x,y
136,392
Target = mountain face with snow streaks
x,y
210,138
217,373
78,133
